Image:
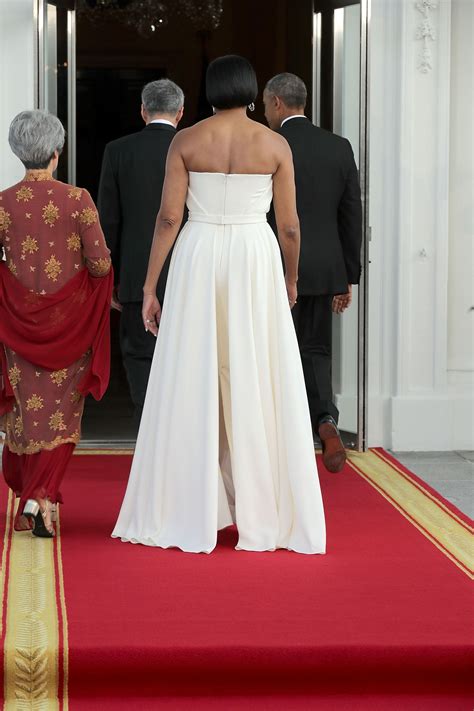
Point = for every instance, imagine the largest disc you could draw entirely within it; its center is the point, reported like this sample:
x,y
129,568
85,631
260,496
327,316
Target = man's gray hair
x,y
162,97
289,88
34,136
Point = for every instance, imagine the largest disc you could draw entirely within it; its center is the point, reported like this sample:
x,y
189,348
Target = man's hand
x,y
341,302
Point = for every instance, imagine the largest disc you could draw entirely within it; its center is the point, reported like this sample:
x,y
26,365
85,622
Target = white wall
x,y
461,197
16,77
413,404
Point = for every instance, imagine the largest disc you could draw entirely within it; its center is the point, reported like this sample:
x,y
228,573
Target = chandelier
x,y
147,17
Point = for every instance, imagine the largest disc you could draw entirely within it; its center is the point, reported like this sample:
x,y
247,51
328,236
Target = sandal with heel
x,y
33,511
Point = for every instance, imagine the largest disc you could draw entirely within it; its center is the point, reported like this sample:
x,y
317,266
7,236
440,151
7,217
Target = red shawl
x,y
52,331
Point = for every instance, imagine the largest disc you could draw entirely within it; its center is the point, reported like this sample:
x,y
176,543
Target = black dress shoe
x,y
334,454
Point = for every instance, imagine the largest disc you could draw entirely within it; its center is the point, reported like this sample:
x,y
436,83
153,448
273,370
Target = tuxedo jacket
x,y
131,183
329,208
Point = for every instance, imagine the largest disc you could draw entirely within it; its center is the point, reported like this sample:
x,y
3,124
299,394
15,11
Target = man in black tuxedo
x,y
330,213
131,183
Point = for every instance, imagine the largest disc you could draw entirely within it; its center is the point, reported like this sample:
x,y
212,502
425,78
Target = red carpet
x,y
383,621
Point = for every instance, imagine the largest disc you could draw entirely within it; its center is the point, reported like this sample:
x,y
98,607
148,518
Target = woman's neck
x,y
38,174
237,113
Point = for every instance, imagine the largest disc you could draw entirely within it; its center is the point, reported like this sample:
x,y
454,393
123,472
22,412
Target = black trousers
x,y
137,346
312,316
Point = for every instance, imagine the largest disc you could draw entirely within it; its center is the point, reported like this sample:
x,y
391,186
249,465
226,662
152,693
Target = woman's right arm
x,y
288,225
168,222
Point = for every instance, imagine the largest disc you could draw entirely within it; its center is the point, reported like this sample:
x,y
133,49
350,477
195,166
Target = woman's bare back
x,y
230,143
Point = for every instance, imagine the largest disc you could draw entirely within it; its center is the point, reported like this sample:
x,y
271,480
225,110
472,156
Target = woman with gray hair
x,y
55,286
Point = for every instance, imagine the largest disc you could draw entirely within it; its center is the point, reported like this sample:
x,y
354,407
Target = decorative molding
x,y
426,33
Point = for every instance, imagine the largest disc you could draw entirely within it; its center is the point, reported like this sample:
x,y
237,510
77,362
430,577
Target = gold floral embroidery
x,y
28,215
79,297
24,194
50,213
88,216
75,397
57,316
29,245
56,421
5,220
34,446
74,242
14,375
18,426
99,267
32,299
52,268
12,267
37,175
75,193
59,376
35,403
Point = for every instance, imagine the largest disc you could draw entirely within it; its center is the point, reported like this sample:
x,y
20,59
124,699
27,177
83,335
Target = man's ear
x,y
277,102
143,113
179,115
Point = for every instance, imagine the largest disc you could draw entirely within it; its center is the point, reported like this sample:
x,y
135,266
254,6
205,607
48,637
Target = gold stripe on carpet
x,y
427,493
436,522
88,452
32,635
3,571
62,602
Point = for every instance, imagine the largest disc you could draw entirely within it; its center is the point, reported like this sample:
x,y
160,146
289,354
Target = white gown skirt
x,y
225,435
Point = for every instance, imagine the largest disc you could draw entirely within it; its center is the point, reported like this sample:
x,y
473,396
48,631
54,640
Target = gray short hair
x,y
162,97
289,88
34,136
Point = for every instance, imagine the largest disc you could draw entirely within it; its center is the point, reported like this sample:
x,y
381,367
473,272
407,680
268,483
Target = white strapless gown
x,y
225,435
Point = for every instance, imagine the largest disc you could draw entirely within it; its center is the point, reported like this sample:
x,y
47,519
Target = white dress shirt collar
x,y
163,121
288,118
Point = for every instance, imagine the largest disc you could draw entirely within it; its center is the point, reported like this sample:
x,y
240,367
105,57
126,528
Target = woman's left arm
x,y
94,248
168,222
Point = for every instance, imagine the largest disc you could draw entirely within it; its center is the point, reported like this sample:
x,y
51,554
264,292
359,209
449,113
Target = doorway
x,y
91,73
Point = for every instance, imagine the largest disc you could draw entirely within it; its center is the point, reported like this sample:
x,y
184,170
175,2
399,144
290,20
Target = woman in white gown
x,y
225,435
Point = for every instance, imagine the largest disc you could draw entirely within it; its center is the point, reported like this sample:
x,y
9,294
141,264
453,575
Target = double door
x,y
340,101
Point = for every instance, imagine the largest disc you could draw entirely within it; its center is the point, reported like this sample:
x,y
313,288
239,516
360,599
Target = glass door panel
x,y
339,105
55,23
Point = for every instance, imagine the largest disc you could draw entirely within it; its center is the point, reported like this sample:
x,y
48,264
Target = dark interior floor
x,y
111,419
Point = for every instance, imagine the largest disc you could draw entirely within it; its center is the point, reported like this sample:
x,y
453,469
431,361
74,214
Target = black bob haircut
x,y
231,82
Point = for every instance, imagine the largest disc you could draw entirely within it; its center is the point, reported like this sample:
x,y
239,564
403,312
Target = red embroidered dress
x,y
49,235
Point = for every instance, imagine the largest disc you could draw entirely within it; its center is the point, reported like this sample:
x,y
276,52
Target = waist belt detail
x,y
227,219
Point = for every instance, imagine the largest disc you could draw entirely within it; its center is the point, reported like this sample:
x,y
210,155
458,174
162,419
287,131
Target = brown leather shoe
x,y
334,454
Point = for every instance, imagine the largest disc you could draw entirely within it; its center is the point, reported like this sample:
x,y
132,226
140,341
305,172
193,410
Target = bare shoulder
x,y
185,138
271,140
